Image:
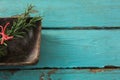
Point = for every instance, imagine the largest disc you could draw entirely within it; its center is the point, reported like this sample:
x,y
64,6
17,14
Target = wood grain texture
x,y
58,74
68,13
78,48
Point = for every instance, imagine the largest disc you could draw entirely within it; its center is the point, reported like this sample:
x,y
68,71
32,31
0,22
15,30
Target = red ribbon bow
x,y
2,33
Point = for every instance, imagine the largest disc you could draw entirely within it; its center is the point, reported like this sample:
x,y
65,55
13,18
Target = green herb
x,y
20,27
20,24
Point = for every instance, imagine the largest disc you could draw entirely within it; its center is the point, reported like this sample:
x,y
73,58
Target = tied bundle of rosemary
x,y
18,29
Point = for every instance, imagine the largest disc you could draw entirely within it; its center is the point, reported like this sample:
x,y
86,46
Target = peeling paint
x,y
99,70
96,70
12,71
42,76
52,71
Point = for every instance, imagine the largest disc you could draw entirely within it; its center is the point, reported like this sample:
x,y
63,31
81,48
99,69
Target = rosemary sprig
x,y
20,26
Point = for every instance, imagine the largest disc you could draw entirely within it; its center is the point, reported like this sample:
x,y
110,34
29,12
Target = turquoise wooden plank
x,y
68,13
61,74
78,48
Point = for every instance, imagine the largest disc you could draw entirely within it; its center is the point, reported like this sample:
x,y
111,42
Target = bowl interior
x,y
22,51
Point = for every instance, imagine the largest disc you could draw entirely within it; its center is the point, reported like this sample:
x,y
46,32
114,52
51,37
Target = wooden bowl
x,y
22,51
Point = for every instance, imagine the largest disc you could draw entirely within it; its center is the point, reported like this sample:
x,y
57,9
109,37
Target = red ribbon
x,y
2,33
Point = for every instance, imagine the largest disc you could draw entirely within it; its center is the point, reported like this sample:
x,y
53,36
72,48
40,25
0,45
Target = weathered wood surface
x,y
68,13
71,48
58,74
78,48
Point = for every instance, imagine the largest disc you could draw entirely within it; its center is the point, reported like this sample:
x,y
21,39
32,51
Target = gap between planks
x,y
81,28
78,68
